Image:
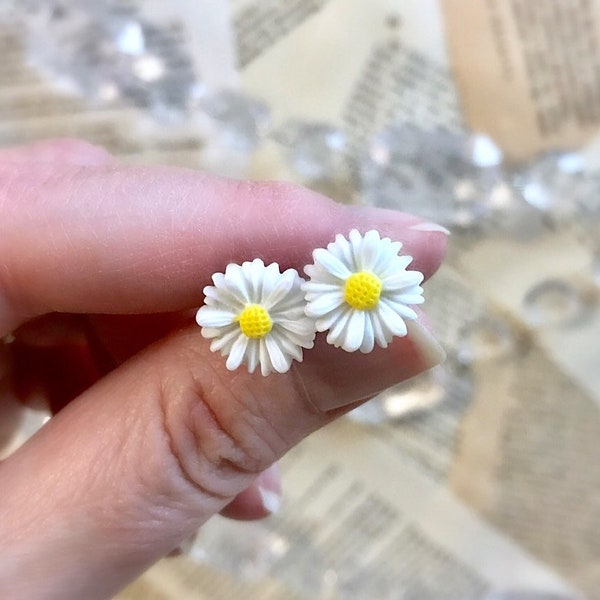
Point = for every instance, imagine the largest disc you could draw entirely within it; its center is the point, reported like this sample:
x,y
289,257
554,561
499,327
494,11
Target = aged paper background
x,y
498,489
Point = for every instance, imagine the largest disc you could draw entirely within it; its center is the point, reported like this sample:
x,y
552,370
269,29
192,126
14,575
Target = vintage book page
x,y
496,489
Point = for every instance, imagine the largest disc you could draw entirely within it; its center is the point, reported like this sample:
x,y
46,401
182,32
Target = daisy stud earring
x,y
360,291
255,315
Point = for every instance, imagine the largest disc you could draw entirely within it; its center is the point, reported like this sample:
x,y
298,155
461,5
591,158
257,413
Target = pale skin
x,y
157,436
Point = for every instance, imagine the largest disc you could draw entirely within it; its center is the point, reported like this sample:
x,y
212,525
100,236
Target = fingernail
x,y
429,226
271,501
428,348
344,378
269,489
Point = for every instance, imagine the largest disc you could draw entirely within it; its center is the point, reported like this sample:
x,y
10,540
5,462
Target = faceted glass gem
x,y
109,52
552,302
241,120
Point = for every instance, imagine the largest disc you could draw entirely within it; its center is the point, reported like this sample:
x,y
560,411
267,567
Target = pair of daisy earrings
x,y
358,289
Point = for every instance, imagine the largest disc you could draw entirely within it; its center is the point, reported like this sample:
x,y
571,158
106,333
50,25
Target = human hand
x,y
101,266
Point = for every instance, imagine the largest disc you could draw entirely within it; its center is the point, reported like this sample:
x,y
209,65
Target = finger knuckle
x,y
218,440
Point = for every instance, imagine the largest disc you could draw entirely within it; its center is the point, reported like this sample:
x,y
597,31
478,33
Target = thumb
x,y
148,454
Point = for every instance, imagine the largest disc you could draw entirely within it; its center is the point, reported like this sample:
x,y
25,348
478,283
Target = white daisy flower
x,y
360,290
255,315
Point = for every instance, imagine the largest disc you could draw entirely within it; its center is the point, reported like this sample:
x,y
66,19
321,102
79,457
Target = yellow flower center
x,y
255,321
362,290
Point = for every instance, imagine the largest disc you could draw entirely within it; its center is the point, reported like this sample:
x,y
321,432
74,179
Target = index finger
x,y
134,240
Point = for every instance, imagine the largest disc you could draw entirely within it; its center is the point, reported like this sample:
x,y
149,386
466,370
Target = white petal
x,y
368,342
300,331
226,340
410,295
234,282
355,240
289,348
341,249
382,336
303,326
312,271
279,289
259,273
303,340
389,263
218,279
386,260
294,313
414,290
337,333
324,304
251,281
312,287
211,295
395,247
317,275
270,278
401,280
236,355
327,321
411,298
233,272
211,332
355,331
252,355
208,316
332,264
280,362
370,250
400,308
391,320
223,298
265,361
292,306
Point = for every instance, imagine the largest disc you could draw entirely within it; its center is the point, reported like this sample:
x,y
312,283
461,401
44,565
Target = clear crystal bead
x,y
482,151
552,302
314,150
391,176
253,551
412,397
437,174
557,184
510,215
18,422
241,121
108,52
588,198
248,549
485,339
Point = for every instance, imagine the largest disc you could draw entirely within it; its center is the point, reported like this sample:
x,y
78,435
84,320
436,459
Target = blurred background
x,y
480,479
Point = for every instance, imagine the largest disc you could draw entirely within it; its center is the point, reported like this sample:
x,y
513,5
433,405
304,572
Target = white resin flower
x,y
359,290
255,315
